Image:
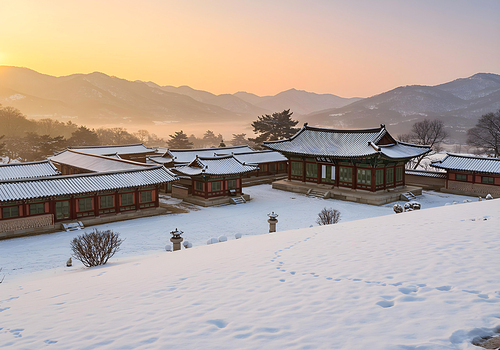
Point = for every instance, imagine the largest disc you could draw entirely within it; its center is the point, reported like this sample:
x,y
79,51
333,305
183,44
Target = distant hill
x,y
458,103
298,101
97,98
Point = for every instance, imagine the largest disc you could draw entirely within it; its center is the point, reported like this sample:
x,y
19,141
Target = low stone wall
x,y
86,221
26,223
426,182
470,189
179,191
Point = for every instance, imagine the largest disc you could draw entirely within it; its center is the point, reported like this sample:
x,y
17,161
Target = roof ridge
x,y
107,158
25,163
104,173
471,156
103,146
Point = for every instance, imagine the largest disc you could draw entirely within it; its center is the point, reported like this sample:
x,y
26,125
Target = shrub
x,y
96,247
397,208
328,216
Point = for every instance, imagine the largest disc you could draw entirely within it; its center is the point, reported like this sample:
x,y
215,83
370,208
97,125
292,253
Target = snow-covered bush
x,y
238,235
328,216
408,206
212,241
96,247
222,238
397,208
416,205
187,244
466,200
168,248
489,196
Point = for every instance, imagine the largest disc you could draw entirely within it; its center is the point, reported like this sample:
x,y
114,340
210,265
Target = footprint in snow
x,y
386,303
218,323
444,288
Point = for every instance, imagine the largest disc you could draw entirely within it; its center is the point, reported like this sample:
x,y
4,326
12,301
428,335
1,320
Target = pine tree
x,y
277,126
179,141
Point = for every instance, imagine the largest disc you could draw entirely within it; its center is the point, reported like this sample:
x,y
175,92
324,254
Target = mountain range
x,y
97,99
458,104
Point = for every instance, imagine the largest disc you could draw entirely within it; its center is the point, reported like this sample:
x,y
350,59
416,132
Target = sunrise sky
x,y
348,48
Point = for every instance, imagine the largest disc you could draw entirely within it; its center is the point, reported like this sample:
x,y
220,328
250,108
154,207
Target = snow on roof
x,y
158,160
461,162
417,280
259,157
344,143
224,165
115,149
183,156
83,183
426,173
14,171
96,163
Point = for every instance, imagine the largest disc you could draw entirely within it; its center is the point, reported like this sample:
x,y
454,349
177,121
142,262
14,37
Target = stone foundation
x,y
470,189
346,194
212,201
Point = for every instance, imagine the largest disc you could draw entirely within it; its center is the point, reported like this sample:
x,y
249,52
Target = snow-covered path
x,y
420,280
48,253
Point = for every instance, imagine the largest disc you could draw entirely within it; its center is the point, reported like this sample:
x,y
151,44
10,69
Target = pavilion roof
x,y
223,165
468,163
94,162
184,156
346,143
83,183
260,157
14,171
138,148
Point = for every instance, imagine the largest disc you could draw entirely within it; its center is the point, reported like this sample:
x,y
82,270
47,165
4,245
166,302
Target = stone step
x,y
237,200
317,193
407,196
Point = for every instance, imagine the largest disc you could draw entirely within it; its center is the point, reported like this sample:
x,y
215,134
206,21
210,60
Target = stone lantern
x,y
176,239
272,221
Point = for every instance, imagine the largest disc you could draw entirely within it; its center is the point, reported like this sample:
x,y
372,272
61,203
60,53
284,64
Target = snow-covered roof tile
x,y
184,156
440,175
344,143
224,165
259,157
462,162
96,163
116,149
83,183
14,171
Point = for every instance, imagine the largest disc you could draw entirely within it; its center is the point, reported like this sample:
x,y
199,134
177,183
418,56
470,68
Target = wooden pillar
x,y
303,170
157,196
96,205
117,202
319,174
354,176
373,177
224,186
72,207
385,178
137,196
205,187
404,176
289,170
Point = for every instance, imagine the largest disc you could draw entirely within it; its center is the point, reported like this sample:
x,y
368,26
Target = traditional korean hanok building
x,y
28,170
470,175
268,162
37,205
176,157
211,180
137,152
76,162
358,160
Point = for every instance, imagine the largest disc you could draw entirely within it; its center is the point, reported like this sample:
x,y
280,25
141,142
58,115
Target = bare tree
x,y
96,247
426,132
486,134
328,216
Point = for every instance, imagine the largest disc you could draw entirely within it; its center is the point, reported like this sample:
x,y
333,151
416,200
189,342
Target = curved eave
x,y
465,170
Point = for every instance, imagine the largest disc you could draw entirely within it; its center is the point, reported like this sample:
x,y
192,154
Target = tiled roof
x,y
260,157
95,163
14,171
184,156
343,143
225,165
117,149
439,175
469,163
83,183
158,160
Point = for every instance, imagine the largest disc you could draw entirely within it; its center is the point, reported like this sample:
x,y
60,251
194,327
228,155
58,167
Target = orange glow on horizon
x,y
256,46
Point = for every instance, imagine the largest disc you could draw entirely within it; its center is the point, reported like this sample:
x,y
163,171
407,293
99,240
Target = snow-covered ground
x,y
48,253
426,279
